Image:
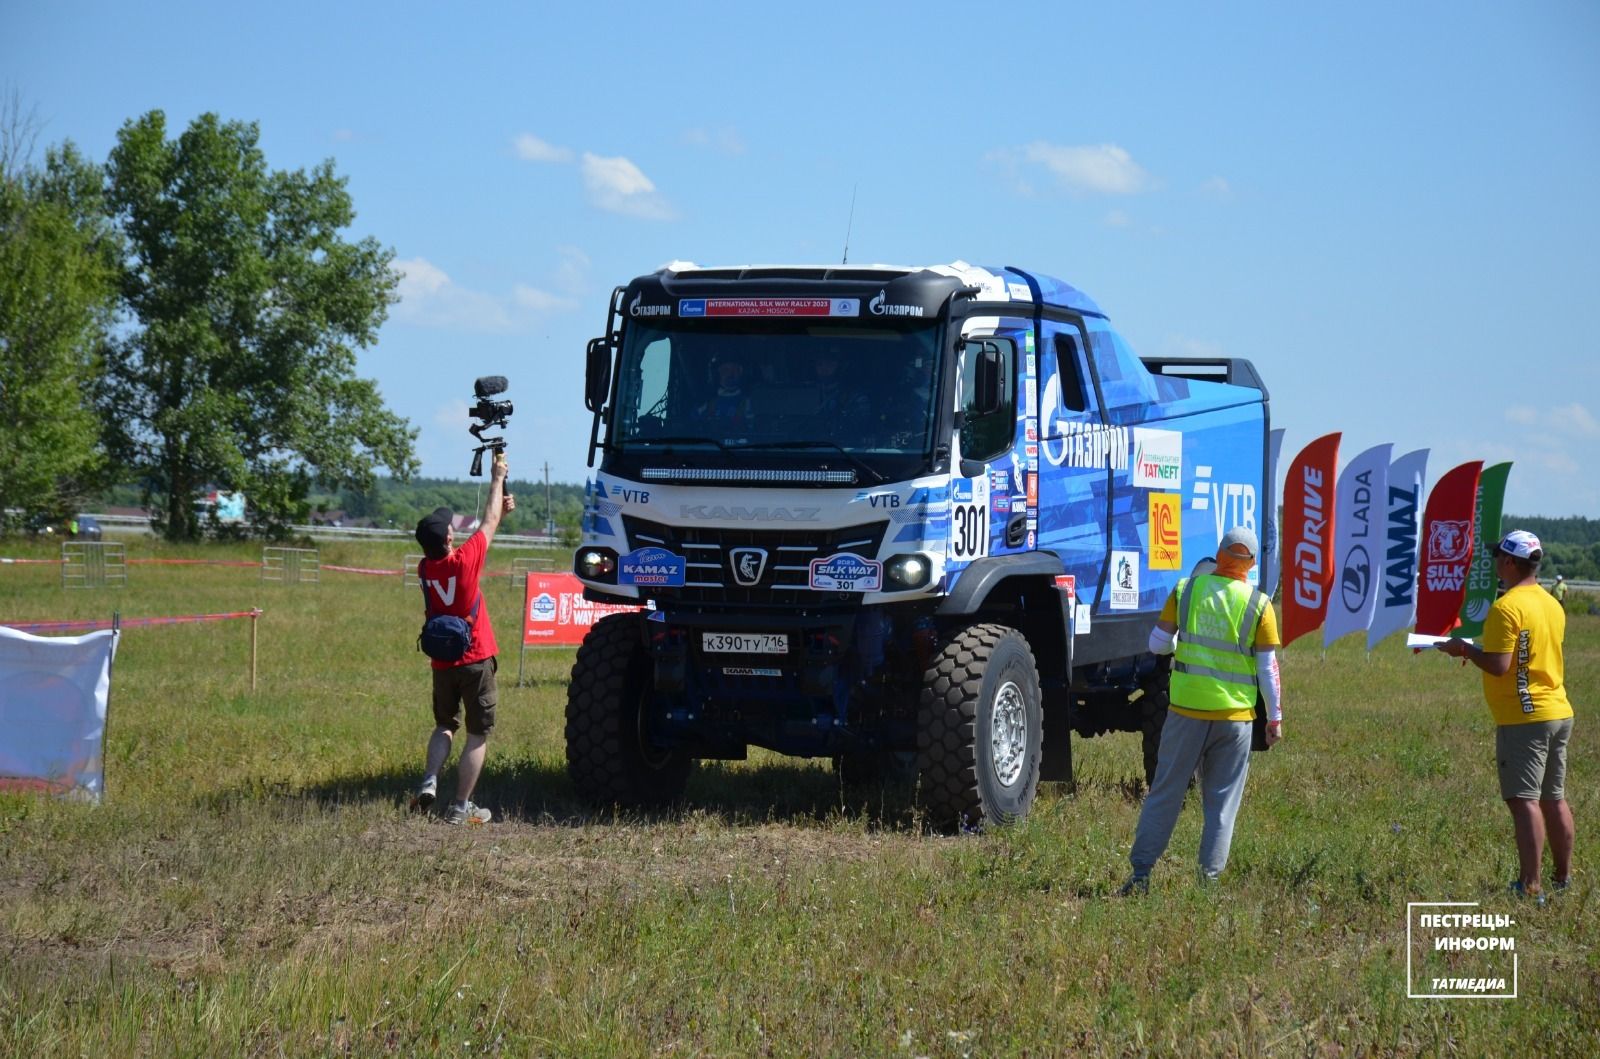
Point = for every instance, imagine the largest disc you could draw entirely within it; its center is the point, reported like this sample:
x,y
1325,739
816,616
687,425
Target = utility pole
x,y
549,521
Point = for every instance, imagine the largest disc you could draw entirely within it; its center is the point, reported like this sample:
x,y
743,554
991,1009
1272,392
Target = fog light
x,y
596,564
906,572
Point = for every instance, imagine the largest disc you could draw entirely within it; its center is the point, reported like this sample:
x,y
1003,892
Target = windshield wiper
x,y
677,439
846,453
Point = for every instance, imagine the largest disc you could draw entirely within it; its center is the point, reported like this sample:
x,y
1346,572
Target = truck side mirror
x,y
597,374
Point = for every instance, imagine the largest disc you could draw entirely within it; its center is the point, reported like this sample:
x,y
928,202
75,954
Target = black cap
x,y
432,532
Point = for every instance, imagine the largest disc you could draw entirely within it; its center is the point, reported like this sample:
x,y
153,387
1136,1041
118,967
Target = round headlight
x,y
596,564
906,572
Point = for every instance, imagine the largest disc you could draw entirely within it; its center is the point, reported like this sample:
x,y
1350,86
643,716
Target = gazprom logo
x,y
636,309
878,307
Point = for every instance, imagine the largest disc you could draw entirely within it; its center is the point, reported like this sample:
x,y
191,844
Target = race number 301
x,y
969,518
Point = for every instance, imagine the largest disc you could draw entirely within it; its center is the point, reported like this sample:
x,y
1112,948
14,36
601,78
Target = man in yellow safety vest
x,y
1223,636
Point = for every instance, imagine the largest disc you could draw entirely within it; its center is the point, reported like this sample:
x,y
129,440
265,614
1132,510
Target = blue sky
x,y
1392,209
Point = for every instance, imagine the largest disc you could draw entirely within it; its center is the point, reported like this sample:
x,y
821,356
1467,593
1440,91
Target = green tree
x,y
57,293
247,306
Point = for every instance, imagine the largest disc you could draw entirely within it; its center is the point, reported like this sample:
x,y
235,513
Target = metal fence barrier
x,y
93,564
408,569
291,566
521,568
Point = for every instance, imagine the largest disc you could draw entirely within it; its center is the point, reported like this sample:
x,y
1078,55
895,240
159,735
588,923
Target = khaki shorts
x,y
474,685
1533,759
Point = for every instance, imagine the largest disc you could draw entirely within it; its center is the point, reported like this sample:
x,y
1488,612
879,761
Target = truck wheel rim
x,y
1008,733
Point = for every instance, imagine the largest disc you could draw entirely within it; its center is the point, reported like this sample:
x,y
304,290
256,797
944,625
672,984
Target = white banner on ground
x,y
1397,575
1359,522
53,694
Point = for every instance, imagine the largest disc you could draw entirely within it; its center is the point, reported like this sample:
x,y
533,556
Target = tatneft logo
x,y
1157,458
1455,954
878,307
636,309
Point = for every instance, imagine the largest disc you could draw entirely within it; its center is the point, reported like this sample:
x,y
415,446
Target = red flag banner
x,y
1308,491
554,611
1446,549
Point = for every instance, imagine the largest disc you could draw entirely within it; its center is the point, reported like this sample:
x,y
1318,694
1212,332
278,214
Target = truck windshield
x,y
863,391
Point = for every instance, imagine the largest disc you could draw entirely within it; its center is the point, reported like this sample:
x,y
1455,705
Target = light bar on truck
x,y
743,474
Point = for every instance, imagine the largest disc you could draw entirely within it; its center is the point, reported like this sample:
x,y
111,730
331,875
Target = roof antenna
x,y
850,223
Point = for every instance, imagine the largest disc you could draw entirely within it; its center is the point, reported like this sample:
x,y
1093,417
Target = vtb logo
x,y
1166,531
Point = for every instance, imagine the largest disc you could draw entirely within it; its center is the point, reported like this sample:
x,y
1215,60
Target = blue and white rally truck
x,y
906,518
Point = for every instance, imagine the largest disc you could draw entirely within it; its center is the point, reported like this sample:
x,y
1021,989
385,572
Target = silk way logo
x,y
1355,580
1449,541
543,608
1158,458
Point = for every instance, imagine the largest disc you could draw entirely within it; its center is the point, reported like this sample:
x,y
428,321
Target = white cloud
x,y
724,140
1216,187
1117,219
618,186
1104,169
1571,420
539,300
532,149
430,298
451,414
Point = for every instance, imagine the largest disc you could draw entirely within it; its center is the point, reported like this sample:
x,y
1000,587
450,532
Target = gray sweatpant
x,y
1220,752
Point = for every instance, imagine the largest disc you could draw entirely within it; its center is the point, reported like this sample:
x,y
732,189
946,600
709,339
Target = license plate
x,y
745,643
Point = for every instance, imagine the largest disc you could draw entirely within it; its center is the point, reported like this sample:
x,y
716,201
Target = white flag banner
x,y
1271,563
53,694
1357,543
1397,576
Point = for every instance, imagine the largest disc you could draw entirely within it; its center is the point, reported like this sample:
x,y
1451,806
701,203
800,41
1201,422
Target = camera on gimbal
x,y
489,414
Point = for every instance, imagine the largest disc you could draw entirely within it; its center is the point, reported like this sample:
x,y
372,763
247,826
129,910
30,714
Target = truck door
x,y
1078,453
988,511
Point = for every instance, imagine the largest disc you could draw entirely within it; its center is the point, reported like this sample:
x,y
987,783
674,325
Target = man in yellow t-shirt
x,y
1223,636
1523,674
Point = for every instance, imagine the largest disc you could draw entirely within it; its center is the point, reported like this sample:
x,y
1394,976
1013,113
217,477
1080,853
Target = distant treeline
x,y
393,504
1572,545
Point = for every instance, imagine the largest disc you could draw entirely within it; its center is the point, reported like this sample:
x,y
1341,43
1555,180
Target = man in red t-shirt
x,y
450,579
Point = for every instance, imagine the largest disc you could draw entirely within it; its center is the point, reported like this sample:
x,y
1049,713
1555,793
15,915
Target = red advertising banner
x,y
554,612
1308,492
1446,549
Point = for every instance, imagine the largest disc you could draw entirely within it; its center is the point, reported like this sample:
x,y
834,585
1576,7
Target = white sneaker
x,y
427,791
467,813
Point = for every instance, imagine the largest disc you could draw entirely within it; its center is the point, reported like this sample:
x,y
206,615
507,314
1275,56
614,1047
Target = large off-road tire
x,y
1153,717
980,731
608,756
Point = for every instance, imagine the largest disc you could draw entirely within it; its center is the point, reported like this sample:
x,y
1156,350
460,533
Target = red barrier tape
x,y
360,570
27,562
126,623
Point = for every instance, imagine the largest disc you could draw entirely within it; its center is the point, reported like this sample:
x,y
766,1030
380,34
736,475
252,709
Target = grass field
x,y
253,886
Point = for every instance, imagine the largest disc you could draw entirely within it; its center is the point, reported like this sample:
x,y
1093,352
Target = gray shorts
x,y
473,685
1533,759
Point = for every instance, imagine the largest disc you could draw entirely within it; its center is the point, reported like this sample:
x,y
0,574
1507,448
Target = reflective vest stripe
x,y
1210,673
1215,674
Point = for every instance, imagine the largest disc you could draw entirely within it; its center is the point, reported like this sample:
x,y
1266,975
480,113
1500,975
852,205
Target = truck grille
x,y
752,566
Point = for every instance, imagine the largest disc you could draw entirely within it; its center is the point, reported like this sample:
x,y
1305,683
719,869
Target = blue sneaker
x,y
1518,890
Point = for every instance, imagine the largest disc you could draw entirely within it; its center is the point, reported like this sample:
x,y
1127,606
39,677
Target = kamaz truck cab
x,y
905,518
